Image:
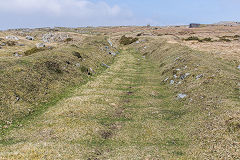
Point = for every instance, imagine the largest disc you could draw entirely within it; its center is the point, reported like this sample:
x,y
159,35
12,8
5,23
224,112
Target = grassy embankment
x,y
39,79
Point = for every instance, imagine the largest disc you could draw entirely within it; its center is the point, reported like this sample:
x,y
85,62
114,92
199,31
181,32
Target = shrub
x,y
33,50
77,54
139,34
74,45
207,39
192,38
84,69
236,36
68,40
11,43
127,40
224,39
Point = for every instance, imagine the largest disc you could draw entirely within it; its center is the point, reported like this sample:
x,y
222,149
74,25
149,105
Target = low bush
x,y
33,50
222,39
84,69
139,34
192,38
68,40
236,36
77,54
127,40
207,39
11,43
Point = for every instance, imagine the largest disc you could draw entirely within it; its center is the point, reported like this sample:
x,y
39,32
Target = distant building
x,y
194,25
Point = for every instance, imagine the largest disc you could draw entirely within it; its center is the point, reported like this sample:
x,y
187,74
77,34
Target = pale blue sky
x,y
74,13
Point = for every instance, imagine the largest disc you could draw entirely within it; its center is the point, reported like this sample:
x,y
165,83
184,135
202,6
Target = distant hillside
x,y
229,23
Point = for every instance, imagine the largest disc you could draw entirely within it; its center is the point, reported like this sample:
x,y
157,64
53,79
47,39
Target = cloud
x,y
30,6
59,7
61,12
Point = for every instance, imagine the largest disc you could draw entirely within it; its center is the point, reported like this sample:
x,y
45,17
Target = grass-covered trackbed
x,y
124,113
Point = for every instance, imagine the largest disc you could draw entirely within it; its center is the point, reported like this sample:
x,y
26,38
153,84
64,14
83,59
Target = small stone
x,y
54,37
91,70
175,76
16,54
40,45
5,127
177,58
29,38
17,98
112,53
165,80
181,96
78,65
239,67
105,65
172,82
137,42
8,122
113,104
12,38
199,76
184,76
110,43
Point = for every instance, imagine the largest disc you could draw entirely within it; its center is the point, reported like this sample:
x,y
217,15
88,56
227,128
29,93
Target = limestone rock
x,y
12,38
181,96
40,45
29,38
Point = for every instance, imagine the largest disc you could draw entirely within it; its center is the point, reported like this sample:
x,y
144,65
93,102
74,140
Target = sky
x,y
79,13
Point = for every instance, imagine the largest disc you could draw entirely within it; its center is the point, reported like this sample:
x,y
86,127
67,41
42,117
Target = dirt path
x,y
125,113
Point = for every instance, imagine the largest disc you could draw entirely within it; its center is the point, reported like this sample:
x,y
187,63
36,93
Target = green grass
x,y
204,106
127,112
7,142
129,124
38,79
